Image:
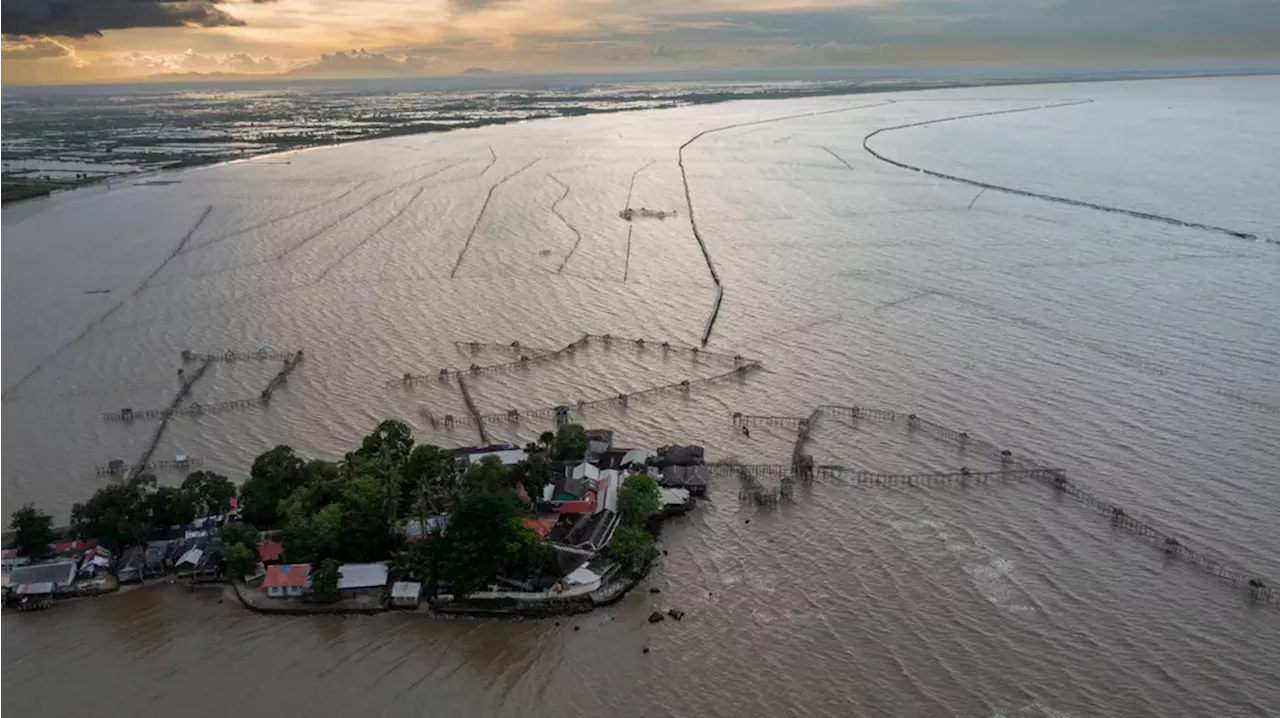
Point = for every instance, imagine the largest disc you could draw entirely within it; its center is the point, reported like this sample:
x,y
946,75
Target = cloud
x,y
363,63
244,62
88,18
33,48
135,63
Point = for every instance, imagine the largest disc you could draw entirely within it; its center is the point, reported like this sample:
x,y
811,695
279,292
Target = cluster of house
x,y
195,554
577,513
83,567
72,567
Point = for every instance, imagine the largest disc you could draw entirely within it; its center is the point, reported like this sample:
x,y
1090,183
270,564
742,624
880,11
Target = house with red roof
x,y
74,546
287,580
270,551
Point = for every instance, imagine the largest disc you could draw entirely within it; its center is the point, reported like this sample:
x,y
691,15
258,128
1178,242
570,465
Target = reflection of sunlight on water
x,y
849,601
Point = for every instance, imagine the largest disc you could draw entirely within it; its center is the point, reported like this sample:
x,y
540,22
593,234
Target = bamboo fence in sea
x,y
1018,468
561,412
531,356
175,407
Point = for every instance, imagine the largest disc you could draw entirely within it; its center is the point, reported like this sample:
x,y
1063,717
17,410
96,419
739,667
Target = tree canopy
x,y
485,539
273,477
210,494
169,506
349,511
429,473
639,499
324,581
34,529
239,546
571,442
117,515
488,476
631,544
391,439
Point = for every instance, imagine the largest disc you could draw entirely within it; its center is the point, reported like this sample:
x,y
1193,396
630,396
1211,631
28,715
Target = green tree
x,y
240,532
239,559
324,581
169,506
34,529
571,442
546,440
366,533
273,477
239,547
392,439
535,473
117,515
639,499
483,529
430,469
210,494
310,538
421,561
488,476
630,544
528,554
385,454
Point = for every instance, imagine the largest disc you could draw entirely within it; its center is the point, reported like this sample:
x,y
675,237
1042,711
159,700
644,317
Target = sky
x,y
84,41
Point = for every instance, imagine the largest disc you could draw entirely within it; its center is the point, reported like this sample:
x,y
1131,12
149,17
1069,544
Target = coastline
x,y
256,601
193,164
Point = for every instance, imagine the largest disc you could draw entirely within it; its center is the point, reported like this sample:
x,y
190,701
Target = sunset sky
x,y
68,41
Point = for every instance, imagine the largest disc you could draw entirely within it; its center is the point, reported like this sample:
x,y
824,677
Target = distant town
x,y
561,525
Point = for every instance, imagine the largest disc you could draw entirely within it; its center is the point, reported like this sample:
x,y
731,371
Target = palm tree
x,y
547,439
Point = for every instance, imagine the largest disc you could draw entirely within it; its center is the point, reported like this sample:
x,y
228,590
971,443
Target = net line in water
x,y
197,409
534,356
183,392
561,412
119,468
1027,193
1018,468
231,356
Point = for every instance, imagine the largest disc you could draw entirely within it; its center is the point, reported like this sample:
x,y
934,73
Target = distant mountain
x,y
477,71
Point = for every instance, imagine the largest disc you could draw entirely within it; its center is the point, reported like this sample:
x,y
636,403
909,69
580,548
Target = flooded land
x,y
1085,275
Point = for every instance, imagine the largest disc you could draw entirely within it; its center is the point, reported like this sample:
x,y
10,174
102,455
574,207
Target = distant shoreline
x,y
27,192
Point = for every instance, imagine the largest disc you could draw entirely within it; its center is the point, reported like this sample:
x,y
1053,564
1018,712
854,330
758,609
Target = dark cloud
x,y
957,22
467,5
34,48
82,18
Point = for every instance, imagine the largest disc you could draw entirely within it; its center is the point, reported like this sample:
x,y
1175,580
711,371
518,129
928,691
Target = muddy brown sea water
x,y
1138,355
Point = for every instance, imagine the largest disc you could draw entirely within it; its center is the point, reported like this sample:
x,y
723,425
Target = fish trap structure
x,y
231,356
197,409
563,413
1017,468
117,467
183,392
514,347
530,357
633,213
281,377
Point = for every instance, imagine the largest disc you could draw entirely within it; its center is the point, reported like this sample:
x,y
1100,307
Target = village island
x,y
558,526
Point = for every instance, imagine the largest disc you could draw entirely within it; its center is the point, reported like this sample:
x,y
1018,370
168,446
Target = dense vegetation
x,y
33,530
130,512
638,503
353,510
